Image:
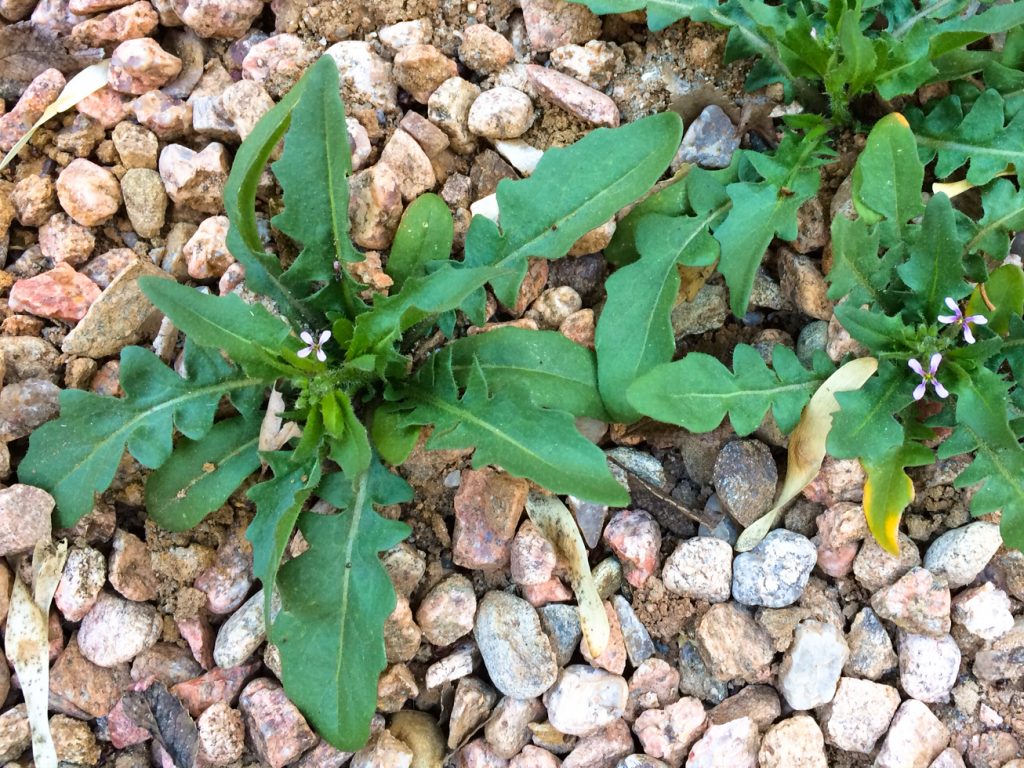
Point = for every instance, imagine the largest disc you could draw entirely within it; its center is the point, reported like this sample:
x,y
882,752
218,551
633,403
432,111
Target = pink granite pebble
x,y
488,506
276,727
573,96
41,92
60,294
635,538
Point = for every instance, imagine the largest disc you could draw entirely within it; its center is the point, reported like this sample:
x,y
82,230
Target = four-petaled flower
x,y
964,321
314,346
928,377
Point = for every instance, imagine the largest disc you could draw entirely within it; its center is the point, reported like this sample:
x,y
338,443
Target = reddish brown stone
x,y
276,727
122,729
487,511
613,658
60,294
141,65
227,582
106,106
200,636
573,96
134,21
89,687
216,685
130,571
40,93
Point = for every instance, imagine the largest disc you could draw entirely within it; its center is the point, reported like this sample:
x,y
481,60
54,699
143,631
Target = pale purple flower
x,y
964,321
928,377
314,346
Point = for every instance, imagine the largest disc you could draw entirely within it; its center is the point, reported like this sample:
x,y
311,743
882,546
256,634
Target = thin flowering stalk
x,y
314,346
960,319
928,377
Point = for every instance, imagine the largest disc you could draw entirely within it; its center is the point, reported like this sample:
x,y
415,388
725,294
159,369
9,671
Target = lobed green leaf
x,y
335,598
552,371
697,392
248,333
76,455
572,191
865,427
316,203
505,428
278,504
935,268
981,139
635,333
200,475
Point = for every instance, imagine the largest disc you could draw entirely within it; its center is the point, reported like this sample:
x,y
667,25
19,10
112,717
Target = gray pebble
x,y
775,572
813,337
639,645
561,623
745,476
962,553
515,650
709,141
240,636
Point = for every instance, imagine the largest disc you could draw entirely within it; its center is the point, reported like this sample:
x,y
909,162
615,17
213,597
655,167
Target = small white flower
x,y
928,377
314,346
962,320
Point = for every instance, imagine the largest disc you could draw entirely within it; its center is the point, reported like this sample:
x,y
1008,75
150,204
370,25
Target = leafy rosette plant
x,y
338,362
924,292
845,48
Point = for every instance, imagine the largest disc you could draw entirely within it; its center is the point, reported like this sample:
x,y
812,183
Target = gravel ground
x,y
815,649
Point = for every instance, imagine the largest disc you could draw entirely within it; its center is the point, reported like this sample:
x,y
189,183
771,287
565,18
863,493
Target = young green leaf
x,y
865,427
981,139
1005,290
248,333
572,191
935,268
316,203
857,271
670,200
698,391
1004,214
335,599
278,504
262,269
856,68
553,371
424,235
878,332
348,442
905,64
506,429
759,212
393,441
762,210
76,455
443,290
634,333
888,176
200,475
